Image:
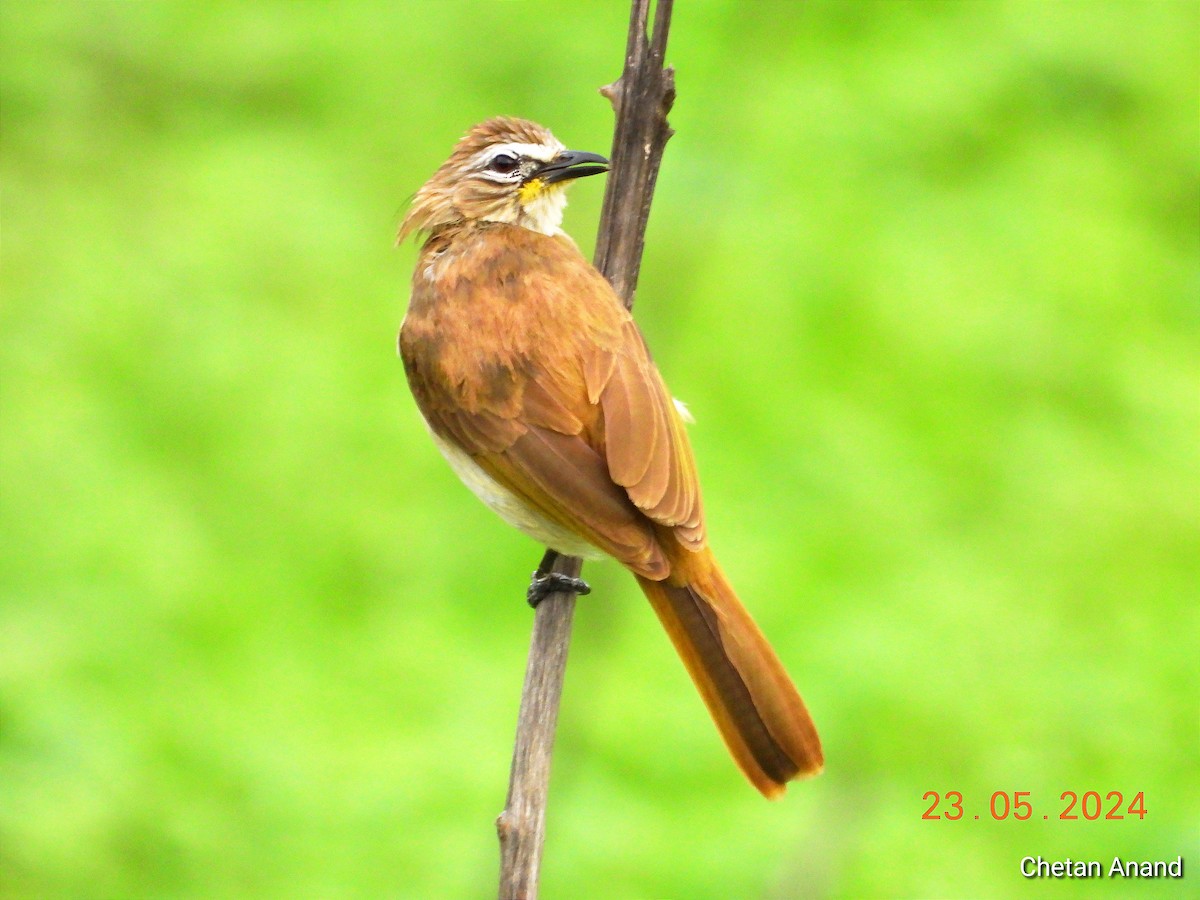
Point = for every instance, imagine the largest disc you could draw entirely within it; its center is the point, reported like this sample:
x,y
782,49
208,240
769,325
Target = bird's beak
x,y
571,164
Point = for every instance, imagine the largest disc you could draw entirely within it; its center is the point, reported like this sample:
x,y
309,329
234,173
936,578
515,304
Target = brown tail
x,y
749,695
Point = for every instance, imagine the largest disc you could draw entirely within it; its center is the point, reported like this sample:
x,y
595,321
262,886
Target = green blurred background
x,y
928,275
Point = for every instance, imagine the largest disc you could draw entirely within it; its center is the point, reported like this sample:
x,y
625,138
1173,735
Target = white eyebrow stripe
x,y
540,152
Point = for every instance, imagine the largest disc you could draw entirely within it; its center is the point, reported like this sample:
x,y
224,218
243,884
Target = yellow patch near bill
x,y
531,190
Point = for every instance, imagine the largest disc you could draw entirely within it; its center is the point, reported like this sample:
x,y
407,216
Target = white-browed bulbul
x,y
538,389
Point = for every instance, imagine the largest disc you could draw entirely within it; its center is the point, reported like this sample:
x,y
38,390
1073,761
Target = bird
x,y
537,387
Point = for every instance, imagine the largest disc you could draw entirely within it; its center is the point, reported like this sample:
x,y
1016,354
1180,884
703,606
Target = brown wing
x,y
518,350
645,441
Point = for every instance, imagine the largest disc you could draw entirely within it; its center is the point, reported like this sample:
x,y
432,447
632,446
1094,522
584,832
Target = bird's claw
x,y
543,584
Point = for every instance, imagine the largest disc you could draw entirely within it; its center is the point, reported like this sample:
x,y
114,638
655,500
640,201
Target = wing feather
x,y
648,450
544,407
581,426
567,482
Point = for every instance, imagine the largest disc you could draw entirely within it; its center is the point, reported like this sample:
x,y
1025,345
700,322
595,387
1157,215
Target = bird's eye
x,y
503,163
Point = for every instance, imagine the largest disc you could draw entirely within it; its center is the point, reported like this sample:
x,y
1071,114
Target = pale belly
x,y
511,508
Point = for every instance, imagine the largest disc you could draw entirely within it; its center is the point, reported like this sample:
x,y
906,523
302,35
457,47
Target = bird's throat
x,y
541,206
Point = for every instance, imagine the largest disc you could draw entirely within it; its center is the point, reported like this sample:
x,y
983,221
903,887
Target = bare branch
x,y
522,825
641,99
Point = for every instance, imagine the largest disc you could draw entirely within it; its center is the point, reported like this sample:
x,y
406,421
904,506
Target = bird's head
x,y
503,170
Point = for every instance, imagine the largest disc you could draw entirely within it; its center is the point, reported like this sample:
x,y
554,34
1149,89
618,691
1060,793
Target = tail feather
x,y
751,698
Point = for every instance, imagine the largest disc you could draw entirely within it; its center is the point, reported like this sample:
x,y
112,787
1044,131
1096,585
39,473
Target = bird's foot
x,y
543,584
